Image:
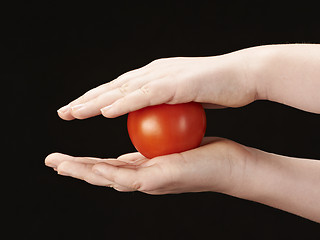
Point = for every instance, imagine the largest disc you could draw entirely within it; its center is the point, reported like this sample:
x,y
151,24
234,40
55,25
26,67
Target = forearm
x,y
288,74
290,184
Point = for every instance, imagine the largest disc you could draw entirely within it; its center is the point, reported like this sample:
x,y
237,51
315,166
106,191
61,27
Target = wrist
x,y
237,165
242,72
251,173
257,64
250,179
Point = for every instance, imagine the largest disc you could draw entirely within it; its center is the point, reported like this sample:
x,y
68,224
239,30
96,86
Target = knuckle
x,y
157,61
114,176
142,183
76,101
108,85
124,88
161,60
147,188
114,83
160,92
88,179
87,94
127,74
137,185
98,100
153,62
145,89
119,78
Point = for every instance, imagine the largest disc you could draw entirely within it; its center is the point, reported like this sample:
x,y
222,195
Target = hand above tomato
x,y
215,81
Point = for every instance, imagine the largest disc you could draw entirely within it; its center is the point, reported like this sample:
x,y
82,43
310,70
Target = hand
x,y
231,80
215,81
219,165
215,166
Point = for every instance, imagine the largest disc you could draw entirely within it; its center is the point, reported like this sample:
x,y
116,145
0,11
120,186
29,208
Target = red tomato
x,y
166,129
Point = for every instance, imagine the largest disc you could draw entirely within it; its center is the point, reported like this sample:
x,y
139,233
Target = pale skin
x,y
288,74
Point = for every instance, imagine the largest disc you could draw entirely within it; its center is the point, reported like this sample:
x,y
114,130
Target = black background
x,y
55,52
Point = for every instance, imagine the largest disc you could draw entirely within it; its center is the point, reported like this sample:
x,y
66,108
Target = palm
x,y
185,172
82,167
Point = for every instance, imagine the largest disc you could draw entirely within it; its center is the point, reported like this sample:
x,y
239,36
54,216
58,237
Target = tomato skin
x,y
166,129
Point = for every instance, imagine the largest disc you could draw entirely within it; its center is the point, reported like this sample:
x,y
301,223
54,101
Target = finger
x,y
93,93
92,108
129,178
66,112
54,159
153,93
84,172
152,178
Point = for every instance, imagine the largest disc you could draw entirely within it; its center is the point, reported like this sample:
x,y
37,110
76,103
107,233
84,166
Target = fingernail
x,y
105,109
50,165
64,109
62,173
77,107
